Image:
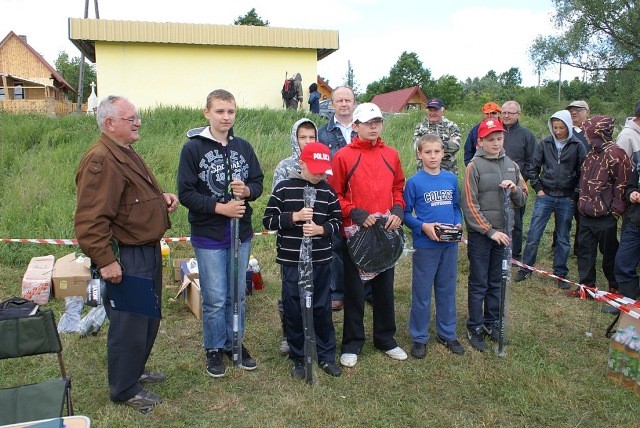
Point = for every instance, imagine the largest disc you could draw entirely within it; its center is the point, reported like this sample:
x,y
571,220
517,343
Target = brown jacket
x,y
115,198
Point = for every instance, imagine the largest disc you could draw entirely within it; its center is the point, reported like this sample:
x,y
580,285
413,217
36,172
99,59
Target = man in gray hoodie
x,y
629,137
554,175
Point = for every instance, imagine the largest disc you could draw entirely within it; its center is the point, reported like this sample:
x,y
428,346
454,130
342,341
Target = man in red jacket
x,y
368,179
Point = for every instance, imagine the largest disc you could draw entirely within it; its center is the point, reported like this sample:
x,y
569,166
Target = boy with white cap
x,y
368,179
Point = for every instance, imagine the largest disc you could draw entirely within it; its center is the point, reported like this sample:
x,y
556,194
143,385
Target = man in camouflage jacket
x,y
448,131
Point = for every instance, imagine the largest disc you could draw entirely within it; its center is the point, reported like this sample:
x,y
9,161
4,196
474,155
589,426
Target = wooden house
x,y
402,100
29,83
324,89
178,64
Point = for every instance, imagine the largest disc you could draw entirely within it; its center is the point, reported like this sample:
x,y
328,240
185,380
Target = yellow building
x,y
175,64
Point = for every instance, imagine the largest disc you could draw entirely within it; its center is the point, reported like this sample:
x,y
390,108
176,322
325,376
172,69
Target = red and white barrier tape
x,y
57,241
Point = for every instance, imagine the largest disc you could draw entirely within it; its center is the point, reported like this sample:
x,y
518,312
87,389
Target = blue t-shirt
x,y
431,199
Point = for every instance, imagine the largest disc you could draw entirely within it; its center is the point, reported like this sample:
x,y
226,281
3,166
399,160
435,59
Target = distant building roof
x,y
396,101
56,76
85,32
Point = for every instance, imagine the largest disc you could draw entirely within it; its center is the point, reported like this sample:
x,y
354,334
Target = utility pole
x,y
81,74
559,81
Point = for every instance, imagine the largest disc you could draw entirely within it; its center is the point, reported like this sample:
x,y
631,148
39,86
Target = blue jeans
x,y
434,269
485,277
627,259
543,207
215,267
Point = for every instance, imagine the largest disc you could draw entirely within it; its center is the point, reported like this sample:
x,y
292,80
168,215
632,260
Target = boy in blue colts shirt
x,y
433,195
286,213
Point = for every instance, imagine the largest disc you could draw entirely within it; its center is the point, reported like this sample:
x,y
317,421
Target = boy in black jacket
x,y
554,175
286,213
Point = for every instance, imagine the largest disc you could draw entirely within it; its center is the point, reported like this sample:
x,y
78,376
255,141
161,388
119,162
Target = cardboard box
x,y
36,282
191,290
70,275
178,274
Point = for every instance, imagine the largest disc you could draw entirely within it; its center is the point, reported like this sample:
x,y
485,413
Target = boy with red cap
x,y
487,174
286,213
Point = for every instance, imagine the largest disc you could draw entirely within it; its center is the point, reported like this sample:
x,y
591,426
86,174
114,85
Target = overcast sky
x,y
461,38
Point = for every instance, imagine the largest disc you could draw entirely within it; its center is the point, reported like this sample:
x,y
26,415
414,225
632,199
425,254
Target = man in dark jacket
x,y
336,134
519,145
603,180
121,206
554,176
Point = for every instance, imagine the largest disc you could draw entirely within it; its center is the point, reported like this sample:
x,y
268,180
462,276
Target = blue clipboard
x,y
134,294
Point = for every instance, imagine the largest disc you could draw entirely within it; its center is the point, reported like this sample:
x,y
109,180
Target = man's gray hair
x,y
106,108
346,87
514,103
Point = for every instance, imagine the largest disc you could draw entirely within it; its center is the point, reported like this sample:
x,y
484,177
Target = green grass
x,y
553,374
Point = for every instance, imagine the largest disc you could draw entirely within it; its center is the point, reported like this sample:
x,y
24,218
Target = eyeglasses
x,y
494,113
133,120
372,122
510,113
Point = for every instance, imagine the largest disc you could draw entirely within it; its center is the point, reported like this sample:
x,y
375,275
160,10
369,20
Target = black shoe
x,y
247,362
522,275
149,378
215,363
143,401
494,333
476,338
419,350
298,370
608,309
562,285
452,345
330,368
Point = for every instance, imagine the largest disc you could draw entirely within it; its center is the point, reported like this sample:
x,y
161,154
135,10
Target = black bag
x,y
375,249
289,89
17,307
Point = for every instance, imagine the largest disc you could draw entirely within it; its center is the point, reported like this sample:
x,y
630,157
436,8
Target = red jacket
x,y
367,176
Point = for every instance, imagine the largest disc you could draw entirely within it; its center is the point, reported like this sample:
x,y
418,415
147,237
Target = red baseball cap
x,y
489,126
317,156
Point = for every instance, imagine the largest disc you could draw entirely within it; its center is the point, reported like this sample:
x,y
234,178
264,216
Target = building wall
x,y
182,75
17,60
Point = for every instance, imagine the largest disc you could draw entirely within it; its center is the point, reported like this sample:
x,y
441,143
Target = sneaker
x,y
215,363
143,401
298,370
151,377
396,353
247,363
522,275
494,334
418,350
284,347
452,345
562,285
330,368
608,309
476,339
348,360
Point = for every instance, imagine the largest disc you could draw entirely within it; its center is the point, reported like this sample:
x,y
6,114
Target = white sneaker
x,y
397,353
284,347
349,360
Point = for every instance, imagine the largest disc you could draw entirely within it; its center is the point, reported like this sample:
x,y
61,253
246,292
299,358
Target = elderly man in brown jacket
x,y
120,217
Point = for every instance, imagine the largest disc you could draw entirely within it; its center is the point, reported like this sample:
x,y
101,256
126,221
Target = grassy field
x,y
553,374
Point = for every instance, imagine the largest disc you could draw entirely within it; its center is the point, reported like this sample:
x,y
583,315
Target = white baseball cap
x,y
366,111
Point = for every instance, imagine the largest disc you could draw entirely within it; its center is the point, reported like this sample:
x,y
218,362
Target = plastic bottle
x,y
629,368
258,283
616,349
166,253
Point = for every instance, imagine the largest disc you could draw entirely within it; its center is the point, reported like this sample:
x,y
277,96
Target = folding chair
x,y
23,337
